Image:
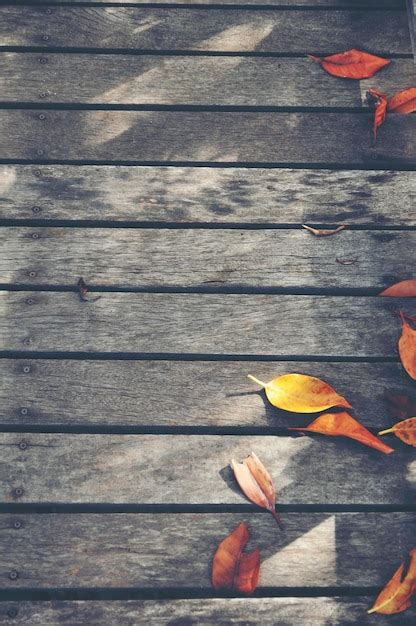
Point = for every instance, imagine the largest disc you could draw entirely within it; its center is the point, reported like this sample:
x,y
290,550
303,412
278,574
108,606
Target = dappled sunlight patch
x,y
317,546
7,178
240,38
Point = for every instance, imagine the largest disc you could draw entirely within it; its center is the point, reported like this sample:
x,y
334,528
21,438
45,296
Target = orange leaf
x,y
404,430
403,102
300,393
351,64
231,569
396,595
407,347
256,483
324,233
380,111
335,424
403,289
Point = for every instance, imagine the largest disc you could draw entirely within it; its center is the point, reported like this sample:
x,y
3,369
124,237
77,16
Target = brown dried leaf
x,y
232,570
407,347
322,232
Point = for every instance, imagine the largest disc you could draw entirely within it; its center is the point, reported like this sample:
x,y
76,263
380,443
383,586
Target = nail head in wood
x,y
18,492
13,575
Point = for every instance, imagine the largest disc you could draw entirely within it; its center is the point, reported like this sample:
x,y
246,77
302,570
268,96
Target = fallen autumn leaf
x,y
404,430
403,102
402,289
351,64
407,347
256,483
232,570
323,232
299,393
336,424
395,597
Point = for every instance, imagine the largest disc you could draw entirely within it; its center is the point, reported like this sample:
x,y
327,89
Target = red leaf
x,y
403,102
231,569
407,347
351,64
403,289
343,424
380,111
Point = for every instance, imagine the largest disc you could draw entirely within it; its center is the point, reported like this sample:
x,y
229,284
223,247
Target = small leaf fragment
x,y
380,110
256,483
404,430
233,570
402,289
407,347
299,393
351,64
324,232
336,424
396,596
403,102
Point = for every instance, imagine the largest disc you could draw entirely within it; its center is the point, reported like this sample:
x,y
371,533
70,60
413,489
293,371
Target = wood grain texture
x,y
128,393
148,136
337,611
202,323
207,194
205,259
211,394
181,80
194,469
214,30
175,551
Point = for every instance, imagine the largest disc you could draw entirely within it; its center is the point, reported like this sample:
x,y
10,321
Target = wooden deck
x,y
169,155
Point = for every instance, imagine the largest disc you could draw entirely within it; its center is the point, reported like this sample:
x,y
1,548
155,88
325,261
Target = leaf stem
x,y
256,380
277,518
384,432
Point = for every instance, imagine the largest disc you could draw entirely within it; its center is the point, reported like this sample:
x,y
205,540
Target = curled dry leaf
x,y
396,595
380,110
351,64
83,291
404,430
322,232
335,424
232,570
403,289
256,483
300,393
403,102
407,347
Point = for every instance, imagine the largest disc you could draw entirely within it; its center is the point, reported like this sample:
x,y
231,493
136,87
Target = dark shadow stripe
x,y
192,509
182,108
164,356
195,53
169,593
217,225
116,429
214,289
397,165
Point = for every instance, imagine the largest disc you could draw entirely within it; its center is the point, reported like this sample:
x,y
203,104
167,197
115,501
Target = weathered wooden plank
x,y
148,136
215,30
411,10
207,194
127,393
149,258
202,323
175,551
194,469
178,80
337,611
